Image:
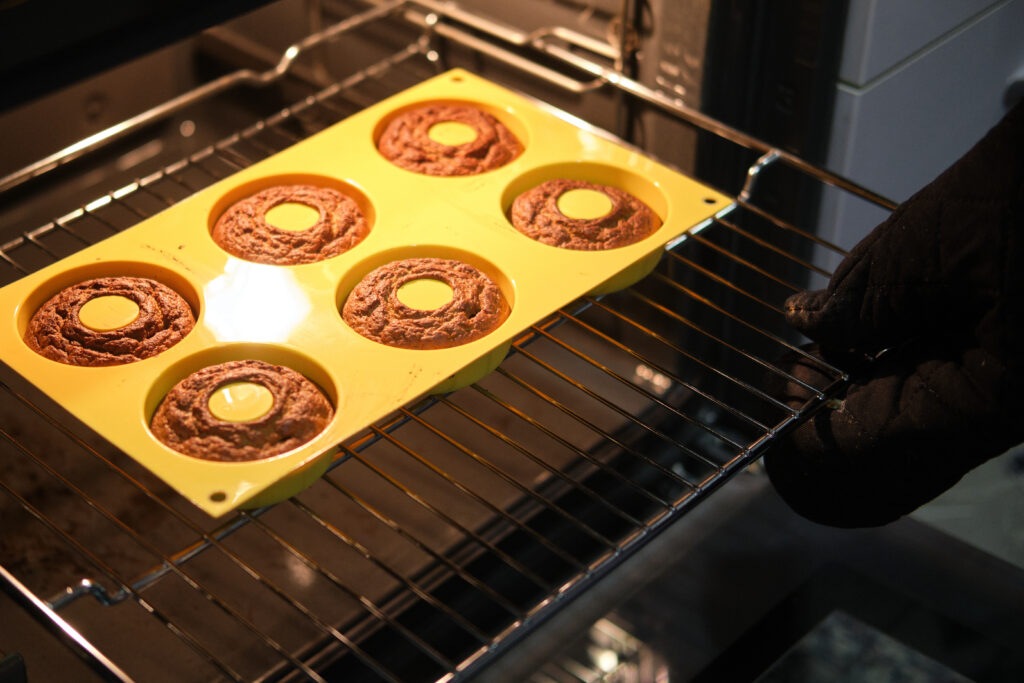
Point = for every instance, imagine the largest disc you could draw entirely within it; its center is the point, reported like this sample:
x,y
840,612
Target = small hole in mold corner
x,y
710,200
218,496
457,79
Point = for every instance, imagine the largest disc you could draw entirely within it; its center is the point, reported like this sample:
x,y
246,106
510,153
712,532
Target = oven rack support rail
x,y
575,357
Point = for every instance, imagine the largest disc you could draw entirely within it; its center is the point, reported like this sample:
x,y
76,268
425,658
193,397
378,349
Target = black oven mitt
x,y
939,285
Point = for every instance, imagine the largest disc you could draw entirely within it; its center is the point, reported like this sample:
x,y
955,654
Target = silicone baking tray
x,y
289,315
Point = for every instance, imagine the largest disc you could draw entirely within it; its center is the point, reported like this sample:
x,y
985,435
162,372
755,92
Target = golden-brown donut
x,y
535,213
56,332
183,420
242,230
477,306
406,142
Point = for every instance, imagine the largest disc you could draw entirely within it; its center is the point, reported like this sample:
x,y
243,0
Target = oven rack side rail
x,y
540,352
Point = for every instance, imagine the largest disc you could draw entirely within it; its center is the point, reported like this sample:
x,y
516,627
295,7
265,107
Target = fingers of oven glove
x,y
944,257
910,427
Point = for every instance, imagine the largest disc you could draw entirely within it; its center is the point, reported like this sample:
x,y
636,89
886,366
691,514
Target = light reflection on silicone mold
x,y
589,143
243,488
255,302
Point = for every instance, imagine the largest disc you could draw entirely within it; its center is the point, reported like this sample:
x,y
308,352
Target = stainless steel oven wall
x,y
919,84
674,41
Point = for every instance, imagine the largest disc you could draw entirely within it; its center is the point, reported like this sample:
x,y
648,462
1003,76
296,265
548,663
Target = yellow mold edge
x,y
294,483
475,371
629,276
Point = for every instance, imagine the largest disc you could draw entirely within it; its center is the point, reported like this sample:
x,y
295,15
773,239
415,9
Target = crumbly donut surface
x,y
374,310
56,332
242,230
535,213
406,142
183,420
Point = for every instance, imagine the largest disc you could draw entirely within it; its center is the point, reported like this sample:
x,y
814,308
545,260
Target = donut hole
x,y
425,294
108,313
292,216
584,204
588,203
250,401
109,320
452,133
240,402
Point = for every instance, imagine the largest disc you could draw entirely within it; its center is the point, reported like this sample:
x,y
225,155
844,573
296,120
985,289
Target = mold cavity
x,y
241,402
584,204
426,294
106,313
292,216
218,496
451,133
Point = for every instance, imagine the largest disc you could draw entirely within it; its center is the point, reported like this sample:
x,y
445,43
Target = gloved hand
x,y
940,286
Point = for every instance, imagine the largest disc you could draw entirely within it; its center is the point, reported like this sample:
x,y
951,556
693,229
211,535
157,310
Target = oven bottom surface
x,y
749,594
768,596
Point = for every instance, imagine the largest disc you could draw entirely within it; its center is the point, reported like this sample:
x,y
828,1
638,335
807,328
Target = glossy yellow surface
x,y
289,315
105,313
451,133
241,402
584,204
292,216
424,295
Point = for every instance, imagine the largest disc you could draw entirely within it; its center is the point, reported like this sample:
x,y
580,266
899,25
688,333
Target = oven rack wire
x,y
449,530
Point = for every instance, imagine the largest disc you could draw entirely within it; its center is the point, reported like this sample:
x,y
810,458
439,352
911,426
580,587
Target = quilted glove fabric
x,y
939,286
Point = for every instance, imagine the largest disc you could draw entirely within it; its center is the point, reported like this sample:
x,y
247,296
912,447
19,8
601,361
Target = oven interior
x,y
451,536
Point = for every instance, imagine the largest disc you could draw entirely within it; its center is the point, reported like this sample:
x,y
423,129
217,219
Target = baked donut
x,y
183,420
55,330
406,142
242,230
535,213
476,308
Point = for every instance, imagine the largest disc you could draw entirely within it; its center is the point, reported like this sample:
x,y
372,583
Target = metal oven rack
x,y
446,532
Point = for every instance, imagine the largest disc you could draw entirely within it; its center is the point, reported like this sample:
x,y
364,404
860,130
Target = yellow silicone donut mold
x,y
290,315
505,116
304,474
269,353
600,174
355,274
475,369
250,188
68,278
